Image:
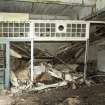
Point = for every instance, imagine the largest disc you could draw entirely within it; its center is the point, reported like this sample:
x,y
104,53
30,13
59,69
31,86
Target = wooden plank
x,y
15,54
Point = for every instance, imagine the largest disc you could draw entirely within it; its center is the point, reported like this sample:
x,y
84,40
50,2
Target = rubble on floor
x,y
43,86
6,100
13,79
46,76
94,95
71,101
52,86
68,67
61,74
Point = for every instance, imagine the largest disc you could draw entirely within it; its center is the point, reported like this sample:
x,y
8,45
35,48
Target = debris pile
x,y
48,76
49,71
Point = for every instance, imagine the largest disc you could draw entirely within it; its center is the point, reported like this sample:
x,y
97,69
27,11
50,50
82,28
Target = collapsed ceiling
x,y
68,8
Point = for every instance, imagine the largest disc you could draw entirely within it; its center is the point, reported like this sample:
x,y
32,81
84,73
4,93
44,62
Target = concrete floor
x,y
5,100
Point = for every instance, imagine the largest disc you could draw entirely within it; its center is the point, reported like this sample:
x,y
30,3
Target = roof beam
x,y
67,2
60,17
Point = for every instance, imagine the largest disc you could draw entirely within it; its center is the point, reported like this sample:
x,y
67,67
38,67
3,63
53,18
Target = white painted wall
x,y
100,4
89,2
92,54
101,59
13,16
96,53
84,12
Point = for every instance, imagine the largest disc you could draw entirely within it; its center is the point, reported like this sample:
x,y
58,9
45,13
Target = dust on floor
x,y
94,95
6,100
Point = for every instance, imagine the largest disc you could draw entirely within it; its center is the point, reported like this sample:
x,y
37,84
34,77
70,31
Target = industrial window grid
x,y
50,30
2,62
2,55
14,29
42,29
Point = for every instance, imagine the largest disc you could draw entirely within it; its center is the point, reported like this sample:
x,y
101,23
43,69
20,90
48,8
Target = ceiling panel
x,y
39,8
11,6
53,9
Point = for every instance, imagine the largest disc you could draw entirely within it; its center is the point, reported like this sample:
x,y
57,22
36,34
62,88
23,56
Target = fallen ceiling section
x,y
48,73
